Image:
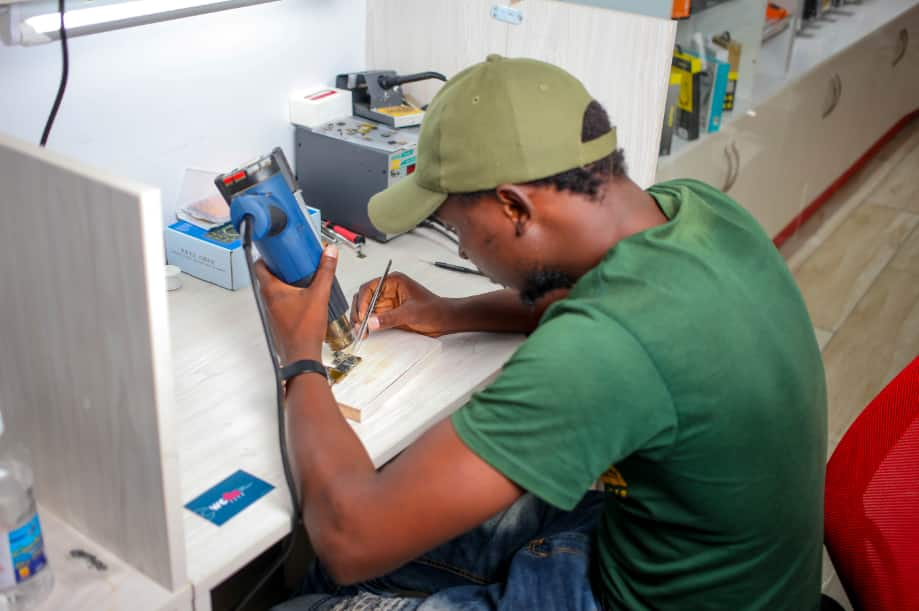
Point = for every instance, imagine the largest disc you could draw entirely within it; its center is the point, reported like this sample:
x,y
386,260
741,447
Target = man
x,y
670,355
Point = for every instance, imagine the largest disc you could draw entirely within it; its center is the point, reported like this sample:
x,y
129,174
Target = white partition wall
x,y
85,371
623,58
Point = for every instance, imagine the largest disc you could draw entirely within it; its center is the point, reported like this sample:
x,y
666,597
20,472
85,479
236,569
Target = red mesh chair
x,y
871,509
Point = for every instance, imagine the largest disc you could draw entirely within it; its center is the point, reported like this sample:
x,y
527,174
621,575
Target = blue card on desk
x,y
229,497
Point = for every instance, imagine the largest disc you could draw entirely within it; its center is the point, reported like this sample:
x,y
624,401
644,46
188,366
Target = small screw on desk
x,y
90,558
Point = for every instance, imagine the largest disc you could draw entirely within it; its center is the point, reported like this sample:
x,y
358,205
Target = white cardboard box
x,y
319,105
216,255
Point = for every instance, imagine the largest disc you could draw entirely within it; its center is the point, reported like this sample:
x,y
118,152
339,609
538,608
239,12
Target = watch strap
x,y
304,366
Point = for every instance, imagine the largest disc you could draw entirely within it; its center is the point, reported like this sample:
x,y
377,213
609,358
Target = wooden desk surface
x,y
226,402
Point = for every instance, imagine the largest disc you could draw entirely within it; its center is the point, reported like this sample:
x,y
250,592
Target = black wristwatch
x,y
304,366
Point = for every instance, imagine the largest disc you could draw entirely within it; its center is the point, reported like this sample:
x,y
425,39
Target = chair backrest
x,y
871,526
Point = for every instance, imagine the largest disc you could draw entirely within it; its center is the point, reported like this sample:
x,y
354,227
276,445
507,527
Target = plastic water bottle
x,y
25,578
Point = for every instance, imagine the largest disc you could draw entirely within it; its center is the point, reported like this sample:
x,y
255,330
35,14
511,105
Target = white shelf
x,y
733,17
679,146
818,43
825,38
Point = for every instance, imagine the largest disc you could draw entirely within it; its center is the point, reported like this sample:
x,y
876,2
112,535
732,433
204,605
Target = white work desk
x,y
224,389
115,587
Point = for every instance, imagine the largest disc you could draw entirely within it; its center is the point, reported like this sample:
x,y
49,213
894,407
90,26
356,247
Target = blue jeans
x,y
530,556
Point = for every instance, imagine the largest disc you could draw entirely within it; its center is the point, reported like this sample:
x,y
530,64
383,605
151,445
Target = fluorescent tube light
x,y
45,27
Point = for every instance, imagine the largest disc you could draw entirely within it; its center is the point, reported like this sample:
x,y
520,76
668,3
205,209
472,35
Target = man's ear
x,y
516,206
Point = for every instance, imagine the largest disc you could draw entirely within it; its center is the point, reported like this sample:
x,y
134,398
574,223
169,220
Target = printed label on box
x,y
224,235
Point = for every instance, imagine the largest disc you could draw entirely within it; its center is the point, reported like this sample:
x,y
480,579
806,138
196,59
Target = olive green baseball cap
x,y
501,121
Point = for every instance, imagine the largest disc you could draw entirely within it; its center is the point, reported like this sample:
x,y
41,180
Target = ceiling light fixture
x,y
100,16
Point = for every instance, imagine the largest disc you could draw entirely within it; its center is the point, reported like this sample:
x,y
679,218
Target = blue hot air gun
x,y
265,193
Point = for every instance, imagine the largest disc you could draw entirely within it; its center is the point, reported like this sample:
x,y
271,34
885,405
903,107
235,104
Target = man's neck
x,y
632,209
625,210
593,228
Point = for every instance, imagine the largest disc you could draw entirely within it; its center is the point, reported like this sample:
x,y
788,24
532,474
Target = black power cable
x,y
65,71
388,82
428,223
296,518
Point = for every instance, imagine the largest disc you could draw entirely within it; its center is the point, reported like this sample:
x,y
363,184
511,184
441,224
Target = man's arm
x,y
499,311
363,523
406,304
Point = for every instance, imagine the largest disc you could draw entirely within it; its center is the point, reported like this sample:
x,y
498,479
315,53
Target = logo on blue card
x,y
229,497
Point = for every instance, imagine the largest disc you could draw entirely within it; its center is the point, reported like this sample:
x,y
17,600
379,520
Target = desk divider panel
x,y
622,57
85,366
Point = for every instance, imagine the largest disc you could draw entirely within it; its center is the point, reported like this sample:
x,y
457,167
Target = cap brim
x,y
402,206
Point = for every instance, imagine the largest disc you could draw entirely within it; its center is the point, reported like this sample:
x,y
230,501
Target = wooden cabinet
x,y
829,103
761,137
849,103
713,162
622,58
901,55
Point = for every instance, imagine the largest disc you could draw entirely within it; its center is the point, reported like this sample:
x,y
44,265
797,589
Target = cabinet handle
x,y
902,46
836,85
737,165
733,157
729,180
736,175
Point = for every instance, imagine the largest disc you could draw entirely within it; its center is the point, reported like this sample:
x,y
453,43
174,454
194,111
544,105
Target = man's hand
x,y
299,316
403,304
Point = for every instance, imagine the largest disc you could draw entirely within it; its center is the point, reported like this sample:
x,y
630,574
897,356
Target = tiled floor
x,y
857,263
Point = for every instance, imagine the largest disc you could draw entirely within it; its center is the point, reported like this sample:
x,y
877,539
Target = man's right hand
x,y
403,304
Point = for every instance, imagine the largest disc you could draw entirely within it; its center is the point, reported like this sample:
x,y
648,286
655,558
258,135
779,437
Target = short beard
x,y
540,282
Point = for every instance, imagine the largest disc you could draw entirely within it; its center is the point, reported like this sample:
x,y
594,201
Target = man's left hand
x,y
299,316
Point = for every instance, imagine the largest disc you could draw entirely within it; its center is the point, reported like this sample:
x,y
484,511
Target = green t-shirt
x,y
684,370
